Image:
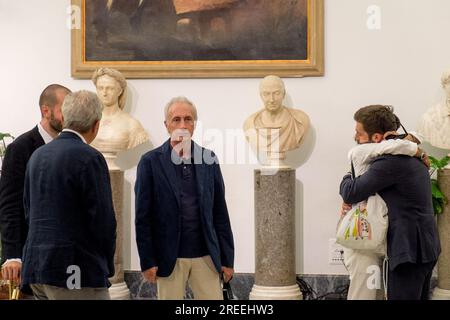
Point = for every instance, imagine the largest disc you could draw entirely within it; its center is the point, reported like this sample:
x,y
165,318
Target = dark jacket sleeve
x,y
222,220
98,196
378,177
13,228
144,214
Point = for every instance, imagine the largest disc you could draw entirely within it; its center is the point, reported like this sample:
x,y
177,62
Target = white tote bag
x,y
364,227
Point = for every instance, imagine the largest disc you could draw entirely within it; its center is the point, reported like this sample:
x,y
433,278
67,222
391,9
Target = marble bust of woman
x,y
435,123
118,130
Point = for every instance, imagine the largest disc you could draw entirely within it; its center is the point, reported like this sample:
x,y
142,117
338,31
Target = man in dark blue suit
x,y
13,228
403,182
183,230
70,247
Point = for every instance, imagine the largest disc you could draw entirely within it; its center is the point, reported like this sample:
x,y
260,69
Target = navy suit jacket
x,y
13,228
69,208
404,184
158,214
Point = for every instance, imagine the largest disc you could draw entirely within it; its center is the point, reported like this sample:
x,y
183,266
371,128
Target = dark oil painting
x,y
195,30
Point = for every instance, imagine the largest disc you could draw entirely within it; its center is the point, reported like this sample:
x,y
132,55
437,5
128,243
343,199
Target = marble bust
x,y
275,129
118,130
435,123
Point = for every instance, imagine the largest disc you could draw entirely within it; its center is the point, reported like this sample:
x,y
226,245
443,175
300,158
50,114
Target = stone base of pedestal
x,y
119,291
276,293
441,294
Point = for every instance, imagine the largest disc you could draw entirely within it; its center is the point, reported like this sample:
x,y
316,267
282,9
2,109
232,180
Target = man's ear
x,y
45,110
377,137
96,127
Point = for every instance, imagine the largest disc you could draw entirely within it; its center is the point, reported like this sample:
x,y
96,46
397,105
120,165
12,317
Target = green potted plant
x,y
3,136
439,199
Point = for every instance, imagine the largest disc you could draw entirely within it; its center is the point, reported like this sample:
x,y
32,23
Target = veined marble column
x,y
275,276
442,291
118,289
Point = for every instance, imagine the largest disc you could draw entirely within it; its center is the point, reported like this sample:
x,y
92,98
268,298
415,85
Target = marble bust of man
x,y
435,123
118,130
276,128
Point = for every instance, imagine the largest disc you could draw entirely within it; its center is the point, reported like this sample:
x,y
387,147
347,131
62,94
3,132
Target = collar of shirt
x,y
77,133
176,159
44,134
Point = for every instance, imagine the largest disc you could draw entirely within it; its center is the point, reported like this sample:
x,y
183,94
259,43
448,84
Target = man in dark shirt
x,y
404,184
183,230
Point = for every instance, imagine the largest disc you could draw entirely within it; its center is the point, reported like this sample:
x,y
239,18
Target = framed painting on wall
x,y
198,38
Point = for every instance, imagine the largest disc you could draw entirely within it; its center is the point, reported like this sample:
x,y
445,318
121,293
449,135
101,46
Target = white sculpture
x,y
275,129
118,130
435,123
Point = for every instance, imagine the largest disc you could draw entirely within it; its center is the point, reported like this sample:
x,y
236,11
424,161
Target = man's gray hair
x,y
81,109
180,99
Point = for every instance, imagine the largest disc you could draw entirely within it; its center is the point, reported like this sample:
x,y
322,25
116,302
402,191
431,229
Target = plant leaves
x,y
435,191
434,163
5,135
444,162
439,199
437,206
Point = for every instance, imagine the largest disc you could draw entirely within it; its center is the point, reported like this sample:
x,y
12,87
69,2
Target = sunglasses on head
x,y
398,136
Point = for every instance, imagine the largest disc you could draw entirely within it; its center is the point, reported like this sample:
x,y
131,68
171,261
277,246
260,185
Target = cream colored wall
x,y
399,65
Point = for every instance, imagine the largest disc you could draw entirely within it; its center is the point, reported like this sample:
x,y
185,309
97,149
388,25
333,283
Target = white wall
x,y
400,65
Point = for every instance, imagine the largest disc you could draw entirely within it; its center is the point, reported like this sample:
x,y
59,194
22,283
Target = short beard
x,y
55,124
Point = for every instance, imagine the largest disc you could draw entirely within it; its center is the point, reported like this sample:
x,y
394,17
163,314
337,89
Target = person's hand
x,y
150,274
345,207
12,271
426,160
227,274
423,157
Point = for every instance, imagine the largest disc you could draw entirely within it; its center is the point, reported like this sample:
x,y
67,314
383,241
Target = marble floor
x,y
322,287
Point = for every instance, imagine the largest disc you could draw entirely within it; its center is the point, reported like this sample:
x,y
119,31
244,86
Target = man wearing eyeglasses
x,y
403,182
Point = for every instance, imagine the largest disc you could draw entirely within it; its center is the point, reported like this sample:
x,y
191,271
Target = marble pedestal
x,y
442,291
118,289
275,276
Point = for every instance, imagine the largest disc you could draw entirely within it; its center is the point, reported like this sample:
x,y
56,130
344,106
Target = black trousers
x,y
410,281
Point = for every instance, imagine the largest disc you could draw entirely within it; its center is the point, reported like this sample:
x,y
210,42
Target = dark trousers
x,y
410,281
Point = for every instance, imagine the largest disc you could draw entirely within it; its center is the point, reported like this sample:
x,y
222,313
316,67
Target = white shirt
x,y
44,134
363,154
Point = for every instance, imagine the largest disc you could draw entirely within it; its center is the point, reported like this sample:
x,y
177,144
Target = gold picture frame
x,y
82,66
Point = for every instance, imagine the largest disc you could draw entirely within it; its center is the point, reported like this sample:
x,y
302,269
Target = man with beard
x,y
403,183
13,228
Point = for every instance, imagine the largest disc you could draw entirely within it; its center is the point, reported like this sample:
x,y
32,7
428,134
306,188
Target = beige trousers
x,y
47,292
201,275
366,275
